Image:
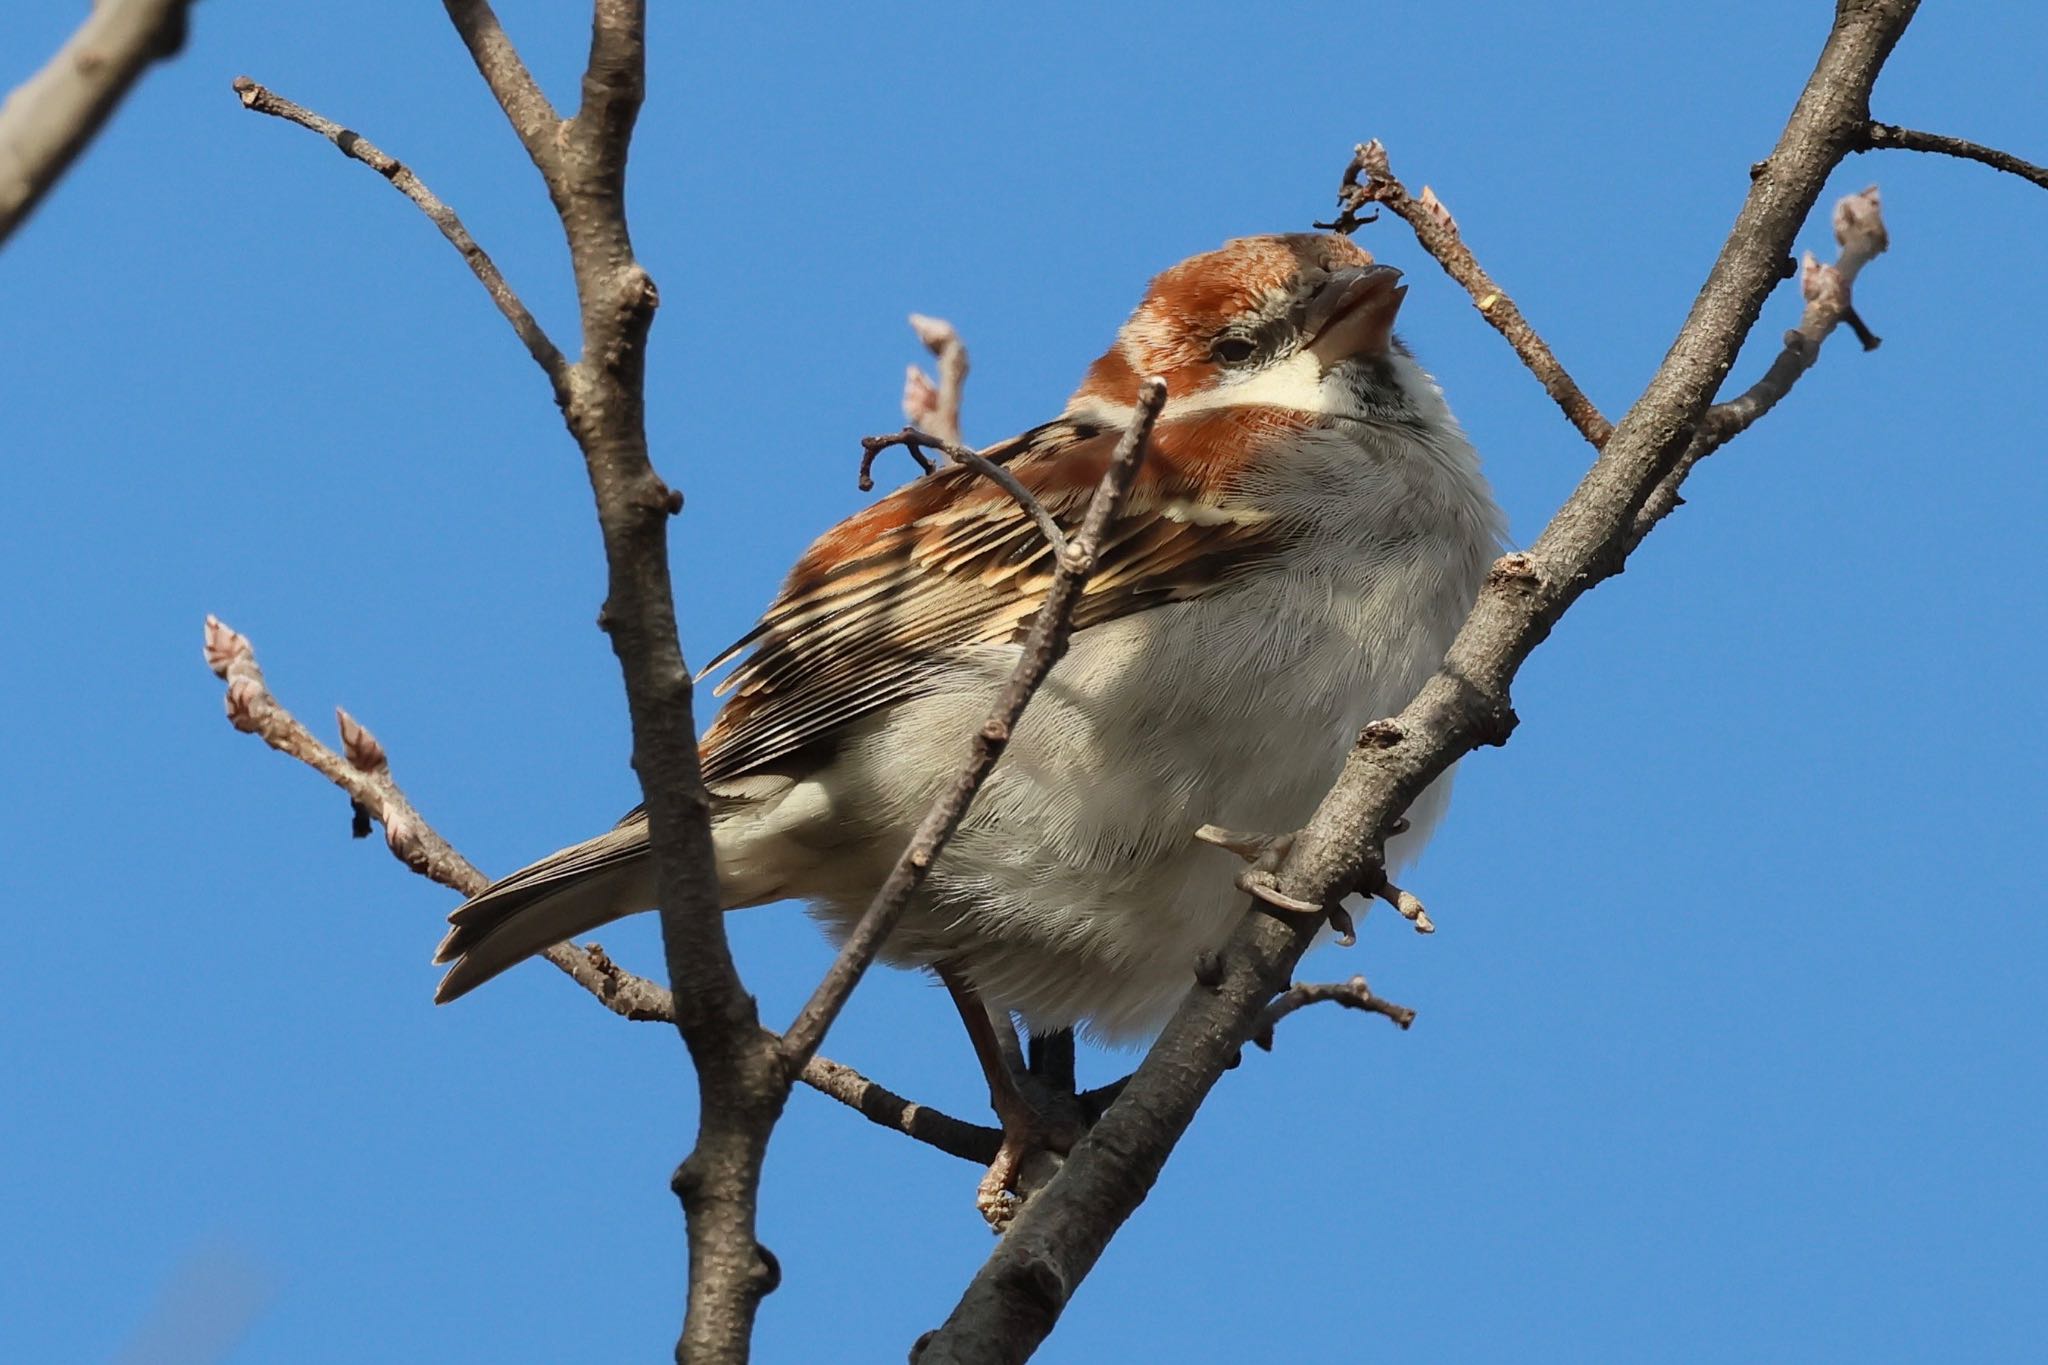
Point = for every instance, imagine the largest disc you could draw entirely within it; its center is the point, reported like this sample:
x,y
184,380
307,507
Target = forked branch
x,y
362,769
359,148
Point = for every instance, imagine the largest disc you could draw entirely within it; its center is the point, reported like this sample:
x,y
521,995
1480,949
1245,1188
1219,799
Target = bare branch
x,y
912,442
1880,136
1353,994
917,442
1860,234
878,1104
518,94
935,407
1438,232
363,770
359,148
1061,1231
1042,648
743,1082
49,118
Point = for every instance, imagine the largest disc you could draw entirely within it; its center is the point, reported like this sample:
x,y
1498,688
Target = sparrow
x,y
1308,530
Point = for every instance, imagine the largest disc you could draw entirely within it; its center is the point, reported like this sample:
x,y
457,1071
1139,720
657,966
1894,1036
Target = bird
x,y
1308,530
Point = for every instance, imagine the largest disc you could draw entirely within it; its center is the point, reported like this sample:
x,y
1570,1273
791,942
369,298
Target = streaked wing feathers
x,y
950,561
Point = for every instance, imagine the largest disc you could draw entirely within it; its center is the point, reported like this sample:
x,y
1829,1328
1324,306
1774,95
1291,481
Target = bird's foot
x,y
1035,1144
1264,853
1031,1154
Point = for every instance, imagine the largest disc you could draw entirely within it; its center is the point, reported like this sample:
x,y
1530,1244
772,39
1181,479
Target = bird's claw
x,y
1263,851
1259,883
1025,1162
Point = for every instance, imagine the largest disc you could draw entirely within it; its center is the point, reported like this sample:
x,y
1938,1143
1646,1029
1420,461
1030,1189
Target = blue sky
x,y
1730,1045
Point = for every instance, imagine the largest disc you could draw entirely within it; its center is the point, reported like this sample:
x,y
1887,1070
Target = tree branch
x,y
917,442
517,93
1878,137
1353,994
359,148
49,118
880,1105
743,1083
1061,1231
1438,232
1042,648
1860,234
363,770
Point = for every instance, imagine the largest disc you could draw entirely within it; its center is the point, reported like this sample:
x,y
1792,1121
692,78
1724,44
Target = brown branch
x,y
359,148
362,769
742,1080
1061,1231
1879,137
532,117
917,442
1353,994
935,407
871,446
1042,648
1438,232
880,1105
49,118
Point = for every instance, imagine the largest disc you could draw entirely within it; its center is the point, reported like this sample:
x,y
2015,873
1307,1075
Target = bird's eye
x,y
1233,350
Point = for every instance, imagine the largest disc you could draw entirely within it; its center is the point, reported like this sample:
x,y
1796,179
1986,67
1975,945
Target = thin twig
x,y
930,406
364,771
1880,136
1438,232
1353,994
359,148
517,93
1042,648
880,1105
49,118
917,442
909,438
1828,290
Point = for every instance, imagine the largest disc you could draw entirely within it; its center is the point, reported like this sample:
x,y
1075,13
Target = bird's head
x,y
1303,321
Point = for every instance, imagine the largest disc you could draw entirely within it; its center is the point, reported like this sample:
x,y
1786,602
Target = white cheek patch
x,y
1294,384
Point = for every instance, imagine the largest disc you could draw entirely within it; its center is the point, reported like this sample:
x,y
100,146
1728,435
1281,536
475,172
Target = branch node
x,y
1381,734
1517,570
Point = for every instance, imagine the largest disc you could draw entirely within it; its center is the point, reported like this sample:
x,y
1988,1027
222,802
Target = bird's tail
x,y
563,895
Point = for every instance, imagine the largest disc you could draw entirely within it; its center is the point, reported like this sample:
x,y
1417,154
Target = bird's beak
x,y
1352,314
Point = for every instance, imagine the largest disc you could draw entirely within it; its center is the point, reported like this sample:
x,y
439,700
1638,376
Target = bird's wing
x,y
871,612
